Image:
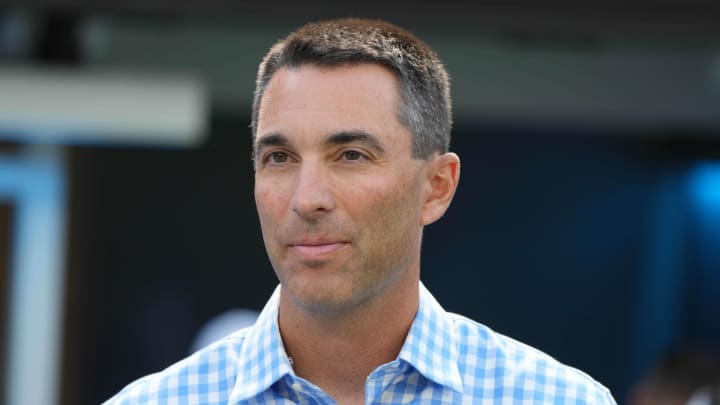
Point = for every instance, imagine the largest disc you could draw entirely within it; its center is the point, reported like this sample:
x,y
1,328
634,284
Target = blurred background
x,y
587,221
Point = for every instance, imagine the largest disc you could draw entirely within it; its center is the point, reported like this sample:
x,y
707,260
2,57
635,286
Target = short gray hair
x,y
425,107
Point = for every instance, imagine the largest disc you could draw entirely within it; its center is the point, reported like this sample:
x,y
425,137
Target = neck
x,y
337,353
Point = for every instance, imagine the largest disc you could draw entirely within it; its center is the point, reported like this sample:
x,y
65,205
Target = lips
x,y
316,249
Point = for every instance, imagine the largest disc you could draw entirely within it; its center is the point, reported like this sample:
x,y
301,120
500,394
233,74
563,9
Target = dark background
x,y
586,230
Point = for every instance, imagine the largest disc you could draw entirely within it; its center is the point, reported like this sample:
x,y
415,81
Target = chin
x,y
323,295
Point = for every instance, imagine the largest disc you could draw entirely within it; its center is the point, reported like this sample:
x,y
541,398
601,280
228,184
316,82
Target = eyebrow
x,y
346,137
340,138
274,139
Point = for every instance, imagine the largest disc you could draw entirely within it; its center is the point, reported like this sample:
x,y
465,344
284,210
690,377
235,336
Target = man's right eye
x,y
276,157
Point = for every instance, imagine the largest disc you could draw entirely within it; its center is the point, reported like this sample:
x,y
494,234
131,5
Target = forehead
x,y
323,100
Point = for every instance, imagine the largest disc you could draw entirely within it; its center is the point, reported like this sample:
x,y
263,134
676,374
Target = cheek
x,y
269,201
386,204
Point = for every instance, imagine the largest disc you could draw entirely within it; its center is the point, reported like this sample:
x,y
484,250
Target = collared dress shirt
x,y
446,359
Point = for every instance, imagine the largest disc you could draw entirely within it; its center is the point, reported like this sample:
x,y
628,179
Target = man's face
x,y
338,194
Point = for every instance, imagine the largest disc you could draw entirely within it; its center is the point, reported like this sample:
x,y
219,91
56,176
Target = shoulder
x,y
206,377
489,361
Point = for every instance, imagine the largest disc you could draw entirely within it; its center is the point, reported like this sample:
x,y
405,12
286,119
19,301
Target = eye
x,y
276,157
352,155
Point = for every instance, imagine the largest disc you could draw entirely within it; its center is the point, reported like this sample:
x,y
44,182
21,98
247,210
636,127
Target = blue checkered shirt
x,y
446,359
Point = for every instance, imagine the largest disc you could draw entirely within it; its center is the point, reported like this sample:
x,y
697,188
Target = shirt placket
x,y
379,380
307,393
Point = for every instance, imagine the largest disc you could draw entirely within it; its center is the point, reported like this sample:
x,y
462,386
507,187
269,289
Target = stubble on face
x,y
375,207
378,255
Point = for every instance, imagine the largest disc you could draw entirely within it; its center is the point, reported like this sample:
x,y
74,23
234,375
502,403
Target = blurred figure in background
x,y
706,396
684,373
223,325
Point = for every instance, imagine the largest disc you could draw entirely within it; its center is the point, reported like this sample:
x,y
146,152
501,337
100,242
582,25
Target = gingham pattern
x,y
446,359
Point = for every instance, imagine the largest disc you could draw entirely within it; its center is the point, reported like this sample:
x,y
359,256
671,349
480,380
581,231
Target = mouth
x,y
315,250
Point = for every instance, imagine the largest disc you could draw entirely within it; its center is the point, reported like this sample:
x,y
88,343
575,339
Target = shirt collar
x,y
432,345
262,359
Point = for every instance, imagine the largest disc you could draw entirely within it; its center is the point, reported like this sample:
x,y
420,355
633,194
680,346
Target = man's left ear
x,y
443,175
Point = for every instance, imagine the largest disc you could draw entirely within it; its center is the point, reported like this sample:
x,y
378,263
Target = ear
x,y
443,175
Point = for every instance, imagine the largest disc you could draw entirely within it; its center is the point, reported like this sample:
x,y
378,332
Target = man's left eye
x,y
352,155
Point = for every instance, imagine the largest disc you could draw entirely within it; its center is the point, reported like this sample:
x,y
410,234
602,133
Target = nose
x,y
312,196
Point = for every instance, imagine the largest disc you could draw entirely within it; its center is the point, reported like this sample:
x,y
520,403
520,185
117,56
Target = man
x,y
351,126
